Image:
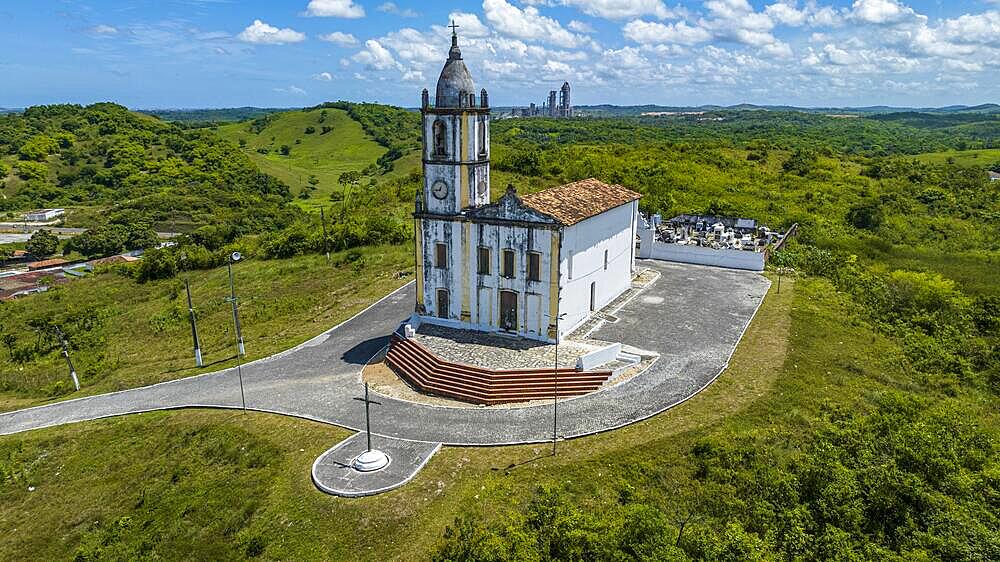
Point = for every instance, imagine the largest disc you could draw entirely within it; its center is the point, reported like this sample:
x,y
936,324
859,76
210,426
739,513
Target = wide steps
x,y
424,370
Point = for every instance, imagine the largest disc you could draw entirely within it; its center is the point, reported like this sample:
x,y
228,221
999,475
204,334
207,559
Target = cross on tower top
x,y
453,27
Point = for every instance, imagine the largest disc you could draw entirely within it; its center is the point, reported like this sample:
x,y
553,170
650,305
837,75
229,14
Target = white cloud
x,y
580,27
335,9
376,57
646,32
786,13
103,29
468,24
412,45
557,67
882,11
620,9
413,76
392,8
528,24
262,33
294,90
340,38
323,77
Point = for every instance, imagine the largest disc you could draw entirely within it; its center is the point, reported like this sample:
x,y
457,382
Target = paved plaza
x,y
693,316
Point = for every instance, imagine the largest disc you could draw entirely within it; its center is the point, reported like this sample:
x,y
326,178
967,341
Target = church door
x,y
508,311
442,303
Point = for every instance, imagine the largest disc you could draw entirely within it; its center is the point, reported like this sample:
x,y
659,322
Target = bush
x,y
29,170
42,244
160,263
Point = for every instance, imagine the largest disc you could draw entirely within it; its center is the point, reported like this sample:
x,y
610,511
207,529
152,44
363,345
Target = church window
x,y
440,138
508,264
441,255
605,260
484,261
482,136
534,266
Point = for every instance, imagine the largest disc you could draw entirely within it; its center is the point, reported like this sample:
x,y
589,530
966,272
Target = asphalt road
x,y
693,316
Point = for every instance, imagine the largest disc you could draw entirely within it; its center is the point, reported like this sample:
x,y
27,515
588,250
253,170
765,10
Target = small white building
x,y
994,176
536,266
44,215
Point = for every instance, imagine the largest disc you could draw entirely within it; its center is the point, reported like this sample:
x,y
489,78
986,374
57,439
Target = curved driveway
x,y
693,316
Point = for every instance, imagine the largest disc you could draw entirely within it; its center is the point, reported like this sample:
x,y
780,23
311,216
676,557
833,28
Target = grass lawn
x,y
207,484
982,157
139,333
345,147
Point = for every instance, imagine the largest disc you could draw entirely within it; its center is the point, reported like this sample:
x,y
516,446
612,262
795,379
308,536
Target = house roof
x,y
46,263
994,176
580,200
113,260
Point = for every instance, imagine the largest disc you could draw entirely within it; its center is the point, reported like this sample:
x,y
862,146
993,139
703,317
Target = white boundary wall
x,y
733,259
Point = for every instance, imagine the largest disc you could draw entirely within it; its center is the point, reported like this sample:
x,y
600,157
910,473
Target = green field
x,y
983,157
220,483
129,334
321,155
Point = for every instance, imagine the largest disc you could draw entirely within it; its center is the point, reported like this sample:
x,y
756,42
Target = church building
x,y
535,266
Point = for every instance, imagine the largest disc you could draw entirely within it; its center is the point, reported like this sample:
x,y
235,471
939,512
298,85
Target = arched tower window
x,y
482,136
440,139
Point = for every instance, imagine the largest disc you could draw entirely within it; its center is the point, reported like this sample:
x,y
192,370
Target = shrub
x,y
42,244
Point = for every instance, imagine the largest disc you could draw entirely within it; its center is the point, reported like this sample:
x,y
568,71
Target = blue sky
x,y
225,53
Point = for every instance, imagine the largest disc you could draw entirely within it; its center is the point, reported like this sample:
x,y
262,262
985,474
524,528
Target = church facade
x,y
534,266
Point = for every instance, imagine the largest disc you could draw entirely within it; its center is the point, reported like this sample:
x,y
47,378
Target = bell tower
x,y
456,141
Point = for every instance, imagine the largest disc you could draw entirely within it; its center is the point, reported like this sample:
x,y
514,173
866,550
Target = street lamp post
x,y
555,390
69,362
194,326
240,350
235,257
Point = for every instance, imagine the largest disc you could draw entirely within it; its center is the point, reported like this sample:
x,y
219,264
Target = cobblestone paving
x,y
494,351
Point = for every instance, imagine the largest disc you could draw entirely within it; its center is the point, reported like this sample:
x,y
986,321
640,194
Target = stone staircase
x,y
428,373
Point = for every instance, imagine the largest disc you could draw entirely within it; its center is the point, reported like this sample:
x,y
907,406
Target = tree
x,y
347,180
286,150
42,244
158,263
800,162
866,215
9,340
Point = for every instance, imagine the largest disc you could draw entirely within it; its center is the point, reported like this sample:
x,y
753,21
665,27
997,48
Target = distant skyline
x,y
161,54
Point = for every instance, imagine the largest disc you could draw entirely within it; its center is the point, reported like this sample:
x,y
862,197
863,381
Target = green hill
x,y
115,162
322,144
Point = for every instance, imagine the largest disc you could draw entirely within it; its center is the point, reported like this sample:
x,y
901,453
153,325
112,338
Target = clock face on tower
x,y
439,189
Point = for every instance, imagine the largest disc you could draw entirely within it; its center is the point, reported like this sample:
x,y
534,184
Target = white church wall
x,y
582,263
479,294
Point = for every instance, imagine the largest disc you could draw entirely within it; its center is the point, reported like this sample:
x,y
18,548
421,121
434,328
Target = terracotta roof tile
x,y
580,200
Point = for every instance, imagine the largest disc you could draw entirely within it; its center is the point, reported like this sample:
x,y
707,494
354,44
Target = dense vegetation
x,y
878,135
858,420
105,156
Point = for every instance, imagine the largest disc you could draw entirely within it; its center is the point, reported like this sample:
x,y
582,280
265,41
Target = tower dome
x,y
455,78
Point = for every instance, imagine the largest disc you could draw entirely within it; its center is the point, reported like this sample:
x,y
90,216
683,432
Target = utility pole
x,y
326,247
194,327
235,257
240,350
69,362
555,390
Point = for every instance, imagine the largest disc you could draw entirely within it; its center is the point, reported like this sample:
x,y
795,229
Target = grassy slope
x,y
346,147
983,157
145,337
239,478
